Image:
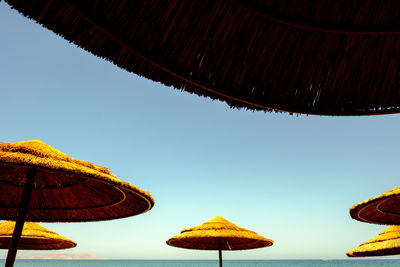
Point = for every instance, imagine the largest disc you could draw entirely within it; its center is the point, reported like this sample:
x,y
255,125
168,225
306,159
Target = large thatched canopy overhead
x,y
316,57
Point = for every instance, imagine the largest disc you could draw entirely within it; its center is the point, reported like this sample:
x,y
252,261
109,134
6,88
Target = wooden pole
x,y
19,224
220,251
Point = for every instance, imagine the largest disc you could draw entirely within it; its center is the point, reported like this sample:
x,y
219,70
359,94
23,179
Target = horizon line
x,y
360,258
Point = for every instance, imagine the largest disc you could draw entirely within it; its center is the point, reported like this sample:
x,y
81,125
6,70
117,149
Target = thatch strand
x,y
65,189
327,57
386,243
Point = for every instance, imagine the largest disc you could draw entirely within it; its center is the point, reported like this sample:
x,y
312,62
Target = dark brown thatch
x,y
64,189
317,57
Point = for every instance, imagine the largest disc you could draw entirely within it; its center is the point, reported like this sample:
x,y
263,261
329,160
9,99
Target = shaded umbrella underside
x,y
383,209
245,52
65,197
381,252
37,243
212,243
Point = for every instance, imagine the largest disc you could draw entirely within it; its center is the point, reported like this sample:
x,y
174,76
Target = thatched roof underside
x,y
386,243
209,236
33,237
65,189
315,57
383,209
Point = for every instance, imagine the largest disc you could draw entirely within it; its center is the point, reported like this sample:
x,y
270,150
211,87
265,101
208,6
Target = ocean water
x,y
206,263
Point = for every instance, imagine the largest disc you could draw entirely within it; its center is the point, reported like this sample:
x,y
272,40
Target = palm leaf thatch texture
x,y
34,237
383,209
219,233
386,243
64,189
316,57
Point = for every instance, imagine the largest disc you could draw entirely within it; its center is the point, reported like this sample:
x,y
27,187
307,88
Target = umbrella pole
x,y
220,251
19,224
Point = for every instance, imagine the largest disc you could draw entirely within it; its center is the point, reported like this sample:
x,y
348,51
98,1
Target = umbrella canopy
x,y
65,189
219,233
316,57
386,243
39,183
34,237
383,209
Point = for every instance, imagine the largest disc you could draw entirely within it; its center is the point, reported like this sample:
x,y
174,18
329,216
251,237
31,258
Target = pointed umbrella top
x,y
383,209
206,236
37,153
217,224
65,189
34,237
386,243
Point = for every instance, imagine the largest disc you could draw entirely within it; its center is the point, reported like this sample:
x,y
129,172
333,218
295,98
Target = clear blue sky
x,y
289,178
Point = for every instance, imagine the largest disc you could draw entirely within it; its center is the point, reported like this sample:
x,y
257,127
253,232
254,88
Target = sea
x,y
206,263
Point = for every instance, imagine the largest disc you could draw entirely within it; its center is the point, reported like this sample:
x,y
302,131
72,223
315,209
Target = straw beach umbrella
x,y
33,237
386,243
383,209
333,57
219,234
40,183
